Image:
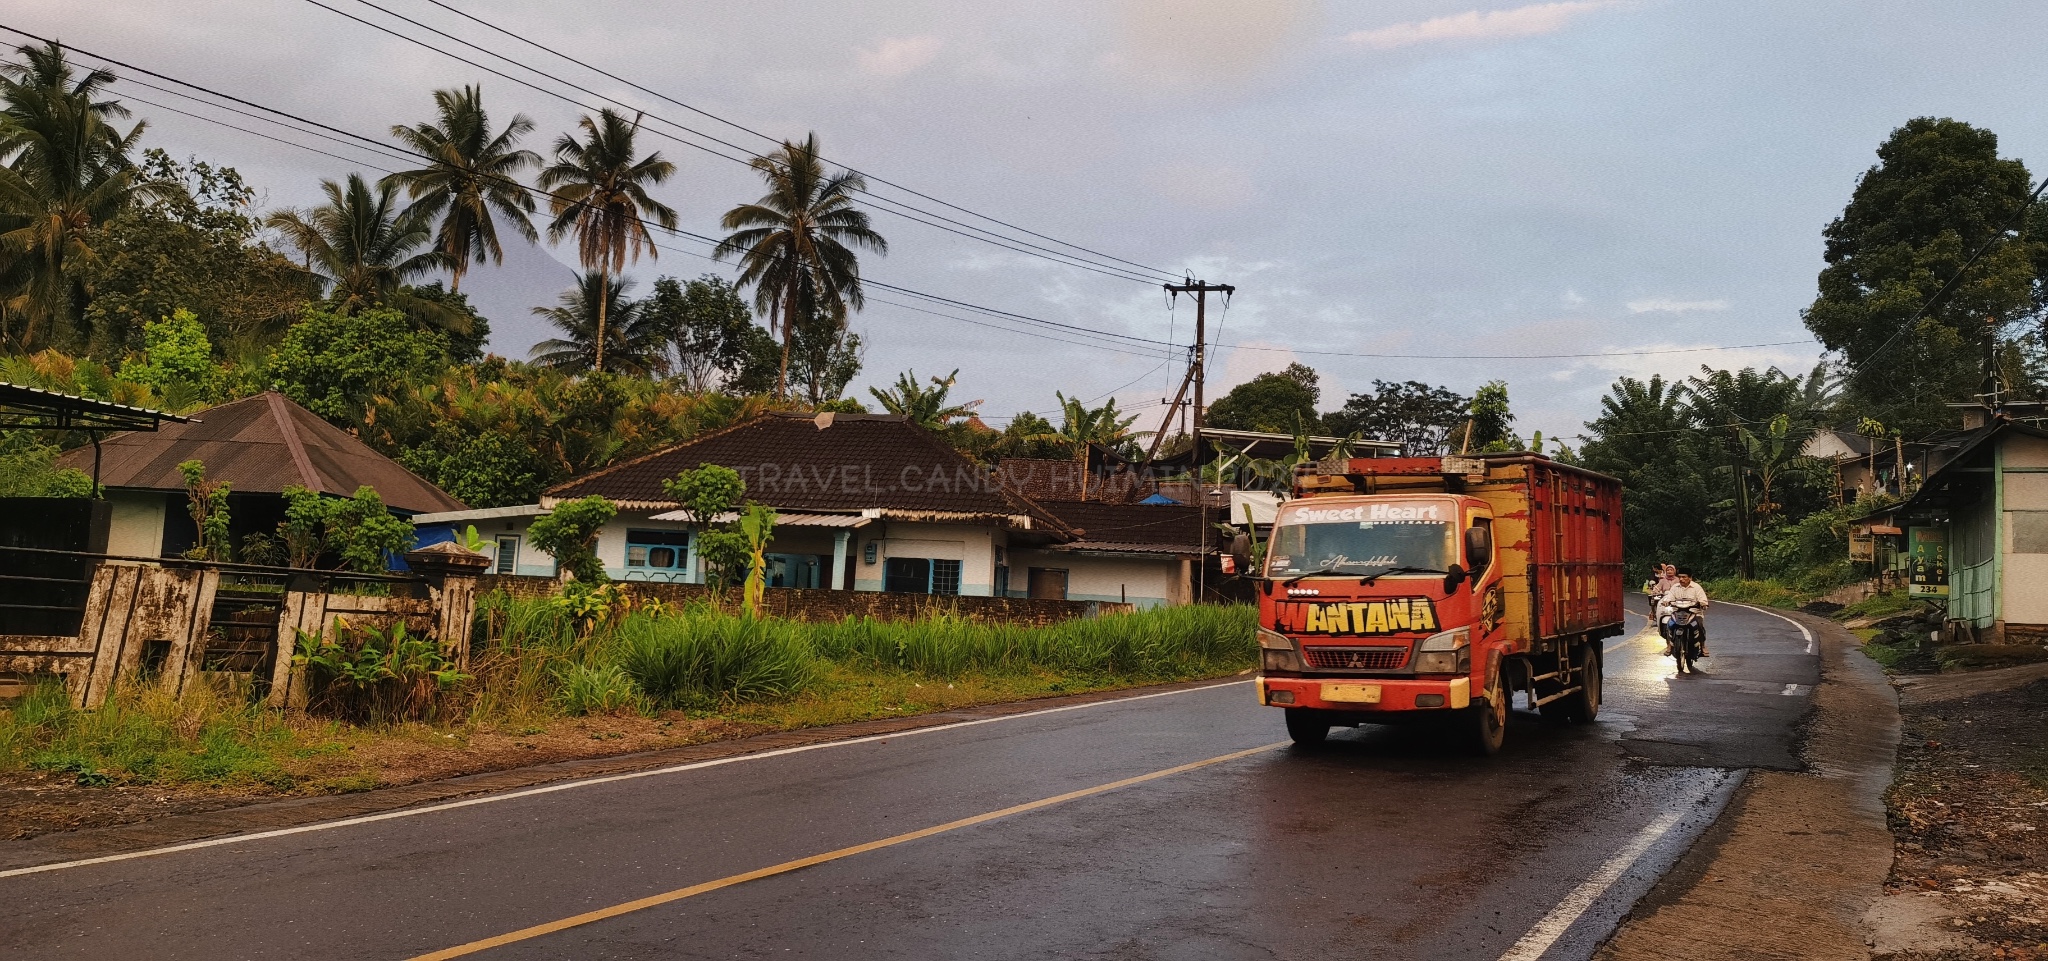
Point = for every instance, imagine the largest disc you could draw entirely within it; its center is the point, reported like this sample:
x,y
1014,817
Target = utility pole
x,y
1201,289
1745,557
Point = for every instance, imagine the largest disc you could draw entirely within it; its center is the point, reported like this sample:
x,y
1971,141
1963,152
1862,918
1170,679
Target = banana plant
x,y
757,525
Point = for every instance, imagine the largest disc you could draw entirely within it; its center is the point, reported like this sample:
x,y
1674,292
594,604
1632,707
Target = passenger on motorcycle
x,y
1684,590
1663,578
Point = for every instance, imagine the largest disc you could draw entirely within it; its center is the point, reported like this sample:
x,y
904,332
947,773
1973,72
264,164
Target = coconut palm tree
x,y
598,191
795,244
366,249
470,180
927,407
66,171
636,340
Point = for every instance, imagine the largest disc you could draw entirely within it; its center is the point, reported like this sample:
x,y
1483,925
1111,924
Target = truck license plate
x,y
1353,693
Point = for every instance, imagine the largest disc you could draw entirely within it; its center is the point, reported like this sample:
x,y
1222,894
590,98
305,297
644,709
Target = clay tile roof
x,y
820,464
1059,479
1146,528
259,444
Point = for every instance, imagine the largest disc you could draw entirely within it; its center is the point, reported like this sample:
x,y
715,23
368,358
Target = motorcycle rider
x,y
1666,577
1684,590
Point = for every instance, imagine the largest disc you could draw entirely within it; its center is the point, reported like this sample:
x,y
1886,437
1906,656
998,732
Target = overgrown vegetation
x,y
541,663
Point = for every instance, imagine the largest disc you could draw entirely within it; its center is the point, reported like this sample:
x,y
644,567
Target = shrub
x,y
699,660
363,674
588,689
569,534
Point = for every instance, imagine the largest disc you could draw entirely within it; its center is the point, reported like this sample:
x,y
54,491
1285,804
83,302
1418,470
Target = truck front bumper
x,y
1365,695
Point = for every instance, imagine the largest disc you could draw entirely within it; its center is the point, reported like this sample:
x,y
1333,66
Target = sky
x,y
1485,184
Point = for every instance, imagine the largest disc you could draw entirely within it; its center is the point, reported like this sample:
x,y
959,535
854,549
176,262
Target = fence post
x,y
451,572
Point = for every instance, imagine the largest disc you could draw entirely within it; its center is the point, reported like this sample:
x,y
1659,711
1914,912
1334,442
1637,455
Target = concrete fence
x,y
805,604
173,621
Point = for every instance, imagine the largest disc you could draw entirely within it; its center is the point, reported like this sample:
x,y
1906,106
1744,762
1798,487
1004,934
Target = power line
x,y
736,126
1611,353
340,135
1011,244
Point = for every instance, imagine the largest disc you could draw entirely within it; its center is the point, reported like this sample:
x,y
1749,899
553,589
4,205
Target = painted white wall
x,y
1143,580
974,547
137,525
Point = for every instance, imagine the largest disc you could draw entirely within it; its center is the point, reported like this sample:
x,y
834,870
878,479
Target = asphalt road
x,y
1386,843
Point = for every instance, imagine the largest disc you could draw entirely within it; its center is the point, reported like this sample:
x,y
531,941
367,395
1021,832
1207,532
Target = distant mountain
x,y
507,294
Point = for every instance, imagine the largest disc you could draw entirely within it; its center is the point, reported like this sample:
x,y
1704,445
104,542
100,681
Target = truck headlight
x,y
1449,652
1277,653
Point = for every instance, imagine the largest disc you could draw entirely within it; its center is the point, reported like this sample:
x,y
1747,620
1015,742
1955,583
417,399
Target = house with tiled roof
x,y
864,502
1142,554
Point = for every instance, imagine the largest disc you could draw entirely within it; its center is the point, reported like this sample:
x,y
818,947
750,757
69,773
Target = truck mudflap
x,y
1366,695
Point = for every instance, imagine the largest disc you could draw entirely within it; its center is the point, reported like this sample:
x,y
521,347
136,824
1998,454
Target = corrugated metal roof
x,y
38,409
260,444
781,520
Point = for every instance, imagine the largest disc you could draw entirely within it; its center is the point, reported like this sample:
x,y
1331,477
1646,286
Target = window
x,y
945,577
796,570
651,551
907,575
508,555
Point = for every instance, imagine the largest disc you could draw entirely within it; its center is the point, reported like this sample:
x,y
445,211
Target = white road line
x,y
1561,918
1812,645
587,782
1793,690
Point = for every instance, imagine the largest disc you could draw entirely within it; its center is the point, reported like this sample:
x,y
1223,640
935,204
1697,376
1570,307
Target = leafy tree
x,y
66,170
598,191
1081,425
191,246
824,357
176,360
1026,436
207,501
927,407
1421,418
470,331
637,342
796,244
569,534
367,250
1492,421
707,494
708,323
334,362
1276,403
363,532
1938,193
28,468
490,468
470,180
303,532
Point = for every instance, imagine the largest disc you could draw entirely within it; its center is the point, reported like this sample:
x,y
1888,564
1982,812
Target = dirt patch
x,y
1969,809
37,803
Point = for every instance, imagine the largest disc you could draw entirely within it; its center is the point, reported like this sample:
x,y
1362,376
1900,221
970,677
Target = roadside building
x,y
1975,535
865,502
257,445
1139,554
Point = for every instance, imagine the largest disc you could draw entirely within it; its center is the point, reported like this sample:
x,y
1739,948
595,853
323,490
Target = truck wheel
x,y
1584,706
1489,723
1305,727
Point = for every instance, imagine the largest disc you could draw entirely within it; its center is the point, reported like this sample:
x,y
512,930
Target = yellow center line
x,y
785,867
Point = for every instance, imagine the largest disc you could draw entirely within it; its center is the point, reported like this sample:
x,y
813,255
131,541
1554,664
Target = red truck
x,y
1403,588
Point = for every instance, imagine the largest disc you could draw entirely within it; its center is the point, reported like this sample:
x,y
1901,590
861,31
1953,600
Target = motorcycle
x,y
1685,627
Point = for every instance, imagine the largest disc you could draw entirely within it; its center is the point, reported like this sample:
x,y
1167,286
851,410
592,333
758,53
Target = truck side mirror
x,y
1241,553
1479,547
1454,577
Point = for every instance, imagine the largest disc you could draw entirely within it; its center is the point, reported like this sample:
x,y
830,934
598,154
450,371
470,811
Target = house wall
x,y
974,547
137,529
2024,533
1141,580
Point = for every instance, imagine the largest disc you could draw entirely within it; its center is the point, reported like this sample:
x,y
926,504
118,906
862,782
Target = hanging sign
x,y
1927,561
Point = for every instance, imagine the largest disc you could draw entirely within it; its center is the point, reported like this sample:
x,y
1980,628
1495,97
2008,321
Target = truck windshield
x,y
1360,539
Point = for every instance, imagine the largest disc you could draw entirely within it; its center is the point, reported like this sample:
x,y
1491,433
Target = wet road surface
x,y
1385,843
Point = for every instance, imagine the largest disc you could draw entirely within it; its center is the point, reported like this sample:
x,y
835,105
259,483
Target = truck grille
x,y
1355,658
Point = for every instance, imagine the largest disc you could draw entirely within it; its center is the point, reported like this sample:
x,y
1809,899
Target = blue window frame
x,y
919,575
662,552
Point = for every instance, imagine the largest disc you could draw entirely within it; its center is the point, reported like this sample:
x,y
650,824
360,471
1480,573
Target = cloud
x,y
1206,43
1529,21
896,56
1665,305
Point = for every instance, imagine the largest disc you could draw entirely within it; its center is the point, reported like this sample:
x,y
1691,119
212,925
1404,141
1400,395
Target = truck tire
x,y
1305,727
1584,705
1489,722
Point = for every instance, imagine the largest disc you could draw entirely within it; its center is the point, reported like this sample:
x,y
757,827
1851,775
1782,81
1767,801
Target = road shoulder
x,y
274,815
1797,861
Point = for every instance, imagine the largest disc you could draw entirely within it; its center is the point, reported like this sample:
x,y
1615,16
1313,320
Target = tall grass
x,y
698,661
146,734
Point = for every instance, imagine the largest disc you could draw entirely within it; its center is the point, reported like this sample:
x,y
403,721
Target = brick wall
x,y
822,605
